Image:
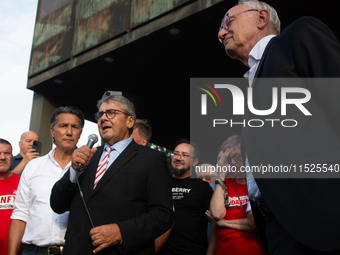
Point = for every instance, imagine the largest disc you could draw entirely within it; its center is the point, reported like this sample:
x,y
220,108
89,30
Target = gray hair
x,y
67,109
274,20
144,129
127,106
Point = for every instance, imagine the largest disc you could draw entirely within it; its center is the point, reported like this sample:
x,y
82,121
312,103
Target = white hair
x,y
274,20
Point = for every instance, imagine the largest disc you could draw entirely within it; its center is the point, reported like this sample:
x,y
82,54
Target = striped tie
x,y
102,166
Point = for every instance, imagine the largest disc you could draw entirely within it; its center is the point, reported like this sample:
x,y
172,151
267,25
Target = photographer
x,y
26,153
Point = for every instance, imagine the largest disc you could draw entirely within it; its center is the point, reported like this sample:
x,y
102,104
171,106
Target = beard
x,y
178,172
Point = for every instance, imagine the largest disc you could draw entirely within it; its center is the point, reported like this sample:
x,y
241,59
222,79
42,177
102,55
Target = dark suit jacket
x,y
308,209
135,193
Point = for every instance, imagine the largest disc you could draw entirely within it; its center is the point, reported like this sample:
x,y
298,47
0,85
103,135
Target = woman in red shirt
x,y
230,208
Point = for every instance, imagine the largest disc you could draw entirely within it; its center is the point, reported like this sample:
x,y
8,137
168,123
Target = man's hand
x,y
31,154
82,156
105,236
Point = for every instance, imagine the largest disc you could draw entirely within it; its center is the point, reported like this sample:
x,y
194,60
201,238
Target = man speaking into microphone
x,y
125,188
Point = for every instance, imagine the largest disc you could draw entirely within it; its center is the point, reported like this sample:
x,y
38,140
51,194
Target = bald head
x,y
26,141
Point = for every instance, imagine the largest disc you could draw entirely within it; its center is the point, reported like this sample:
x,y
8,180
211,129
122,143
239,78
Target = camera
x,y
37,146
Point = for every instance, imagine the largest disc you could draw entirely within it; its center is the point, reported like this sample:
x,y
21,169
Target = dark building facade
x,y
146,49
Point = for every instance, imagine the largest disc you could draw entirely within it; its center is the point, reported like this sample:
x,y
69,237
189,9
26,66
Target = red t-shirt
x,y
8,190
231,241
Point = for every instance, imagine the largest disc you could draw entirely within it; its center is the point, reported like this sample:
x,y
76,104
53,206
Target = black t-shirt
x,y
191,198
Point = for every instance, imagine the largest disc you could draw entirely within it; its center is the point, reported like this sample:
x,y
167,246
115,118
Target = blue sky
x,y
17,20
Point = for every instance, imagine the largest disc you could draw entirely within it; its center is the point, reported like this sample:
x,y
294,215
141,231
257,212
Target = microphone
x,y
92,139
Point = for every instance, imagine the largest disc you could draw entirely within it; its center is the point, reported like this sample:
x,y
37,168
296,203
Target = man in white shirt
x,y
33,221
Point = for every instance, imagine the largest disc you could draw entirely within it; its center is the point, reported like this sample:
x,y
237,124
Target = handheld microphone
x,y
92,139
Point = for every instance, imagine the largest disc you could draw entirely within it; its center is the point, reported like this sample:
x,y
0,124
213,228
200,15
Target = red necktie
x,y
102,166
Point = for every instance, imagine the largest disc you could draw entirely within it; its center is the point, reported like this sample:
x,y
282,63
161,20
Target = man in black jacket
x,y
302,215
126,189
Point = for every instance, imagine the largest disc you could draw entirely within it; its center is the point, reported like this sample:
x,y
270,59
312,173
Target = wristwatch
x,y
221,183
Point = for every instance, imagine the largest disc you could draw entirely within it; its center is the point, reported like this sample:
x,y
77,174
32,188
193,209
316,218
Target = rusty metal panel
x,y
97,22
145,10
52,35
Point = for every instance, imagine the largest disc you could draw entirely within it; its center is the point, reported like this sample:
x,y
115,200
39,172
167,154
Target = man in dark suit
x,y
301,215
127,191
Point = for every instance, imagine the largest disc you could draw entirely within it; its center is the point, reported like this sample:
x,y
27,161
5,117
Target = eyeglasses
x,y
226,19
236,158
181,155
110,114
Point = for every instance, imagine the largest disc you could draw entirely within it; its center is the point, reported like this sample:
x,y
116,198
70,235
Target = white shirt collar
x,y
256,53
51,156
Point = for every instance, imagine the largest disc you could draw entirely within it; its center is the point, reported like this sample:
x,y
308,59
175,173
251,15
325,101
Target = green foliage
x,y
167,152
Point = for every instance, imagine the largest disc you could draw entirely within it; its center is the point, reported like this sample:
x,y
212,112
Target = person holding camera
x,y
26,153
33,222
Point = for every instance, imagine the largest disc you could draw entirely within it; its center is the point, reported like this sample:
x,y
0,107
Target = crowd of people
x,y
47,201
118,198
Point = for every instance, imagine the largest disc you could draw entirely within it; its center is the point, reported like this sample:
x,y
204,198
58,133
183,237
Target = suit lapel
x,y
259,68
129,152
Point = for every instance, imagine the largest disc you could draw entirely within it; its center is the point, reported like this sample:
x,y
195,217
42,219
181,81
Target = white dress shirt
x,y
255,56
32,203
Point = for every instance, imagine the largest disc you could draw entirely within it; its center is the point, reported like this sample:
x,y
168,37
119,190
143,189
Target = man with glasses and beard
x,y
191,198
